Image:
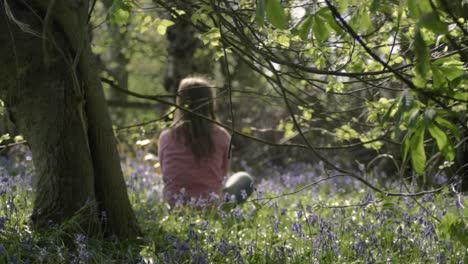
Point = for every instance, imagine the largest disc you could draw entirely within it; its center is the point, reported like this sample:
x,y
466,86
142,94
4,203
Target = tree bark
x,y
52,89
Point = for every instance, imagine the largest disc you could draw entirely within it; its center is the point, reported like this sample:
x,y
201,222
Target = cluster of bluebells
x,y
336,221
322,224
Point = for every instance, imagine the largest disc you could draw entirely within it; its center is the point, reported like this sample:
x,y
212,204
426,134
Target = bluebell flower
x,y
243,194
210,238
237,212
276,224
299,214
312,219
84,254
213,197
360,248
204,225
368,197
237,254
407,219
81,239
182,246
427,198
250,249
297,228
442,259
191,233
223,247
429,231
198,258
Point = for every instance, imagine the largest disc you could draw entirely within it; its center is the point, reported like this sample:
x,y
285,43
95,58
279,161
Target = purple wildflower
x,y
243,194
297,228
223,247
84,255
250,249
299,214
237,212
81,239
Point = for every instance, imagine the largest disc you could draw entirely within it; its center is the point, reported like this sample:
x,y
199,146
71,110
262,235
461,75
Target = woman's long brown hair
x,y
195,94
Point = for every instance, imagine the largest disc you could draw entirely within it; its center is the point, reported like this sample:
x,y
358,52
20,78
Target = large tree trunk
x,y
53,92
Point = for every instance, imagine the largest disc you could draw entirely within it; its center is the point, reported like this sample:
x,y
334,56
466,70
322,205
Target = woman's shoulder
x,y
165,134
221,130
222,133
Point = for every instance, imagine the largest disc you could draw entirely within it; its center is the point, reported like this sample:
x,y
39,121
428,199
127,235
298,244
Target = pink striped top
x,y
180,170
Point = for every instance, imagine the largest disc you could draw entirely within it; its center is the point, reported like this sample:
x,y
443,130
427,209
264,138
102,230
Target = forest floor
x,y
335,221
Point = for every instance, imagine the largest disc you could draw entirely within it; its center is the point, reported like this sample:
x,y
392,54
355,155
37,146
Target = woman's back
x,y
181,169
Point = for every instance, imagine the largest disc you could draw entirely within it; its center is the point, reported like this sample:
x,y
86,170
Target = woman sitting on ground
x,y
193,152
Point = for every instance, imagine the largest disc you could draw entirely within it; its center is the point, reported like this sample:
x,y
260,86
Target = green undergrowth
x,y
308,227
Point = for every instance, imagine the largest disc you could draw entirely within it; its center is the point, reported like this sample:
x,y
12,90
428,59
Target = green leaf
x,y
429,114
289,130
162,25
5,137
413,8
119,12
414,117
120,17
388,205
443,143
257,205
307,115
459,232
326,15
303,28
390,110
260,12
335,87
432,22
366,25
320,29
18,138
342,6
374,6
418,7
447,124
424,6
405,146
275,13
446,221
283,40
452,68
455,227
418,156
422,55
419,81
438,78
